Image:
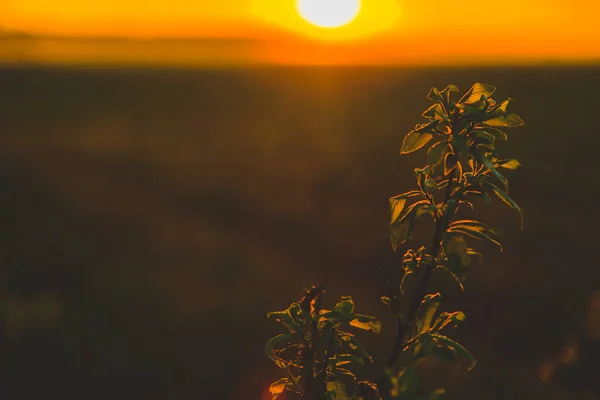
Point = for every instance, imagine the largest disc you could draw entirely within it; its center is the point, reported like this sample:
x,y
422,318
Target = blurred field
x,y
151,218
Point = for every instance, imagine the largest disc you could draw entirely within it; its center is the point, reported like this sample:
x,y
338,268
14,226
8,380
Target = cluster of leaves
x,y
462,164
316,351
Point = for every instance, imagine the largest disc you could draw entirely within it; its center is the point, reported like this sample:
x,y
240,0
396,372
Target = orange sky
x,y
386,30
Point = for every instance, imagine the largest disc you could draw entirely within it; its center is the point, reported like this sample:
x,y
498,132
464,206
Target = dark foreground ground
x,y
150,219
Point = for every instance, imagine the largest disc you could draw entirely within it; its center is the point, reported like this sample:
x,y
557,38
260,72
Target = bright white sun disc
x,y
328,13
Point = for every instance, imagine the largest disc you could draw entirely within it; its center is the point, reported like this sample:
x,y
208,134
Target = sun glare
x,y
329,13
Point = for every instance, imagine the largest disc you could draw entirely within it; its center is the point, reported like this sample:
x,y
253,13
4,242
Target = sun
x,y
329,13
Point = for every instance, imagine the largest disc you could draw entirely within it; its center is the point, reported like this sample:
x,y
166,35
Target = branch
x,y
441,225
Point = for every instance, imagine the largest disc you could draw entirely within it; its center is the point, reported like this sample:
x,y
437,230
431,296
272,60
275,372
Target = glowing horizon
x,y
385,31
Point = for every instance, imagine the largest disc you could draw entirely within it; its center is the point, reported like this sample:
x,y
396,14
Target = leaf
x,y
349,358
473,252
435,95
460,143
450,88
450,160
405,384
397,204
453,275
336,390
286,317
446,319
489,131
455,245
477,90
401,229
458,351
507,200
436,153
511,164
344,371
366,322
414,141
284,338
477,230
353,344
278,387
386,300
427,310
502,107
490,166
345,306
436,112
510,120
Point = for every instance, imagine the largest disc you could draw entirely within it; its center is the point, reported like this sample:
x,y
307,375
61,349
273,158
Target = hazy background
x,y
150,218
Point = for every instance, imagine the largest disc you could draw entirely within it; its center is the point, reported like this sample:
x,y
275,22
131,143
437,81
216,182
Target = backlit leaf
x,y
436,112
366,323
436,153
278,387
459,352
336,390
477,90
414,141
510,120
398,203
427,310
507,200
511,164
477,230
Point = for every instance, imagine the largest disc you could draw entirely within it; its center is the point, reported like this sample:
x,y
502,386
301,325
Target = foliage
x,y
462,164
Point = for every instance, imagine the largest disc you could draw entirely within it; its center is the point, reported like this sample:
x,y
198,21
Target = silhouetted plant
x,y
317,354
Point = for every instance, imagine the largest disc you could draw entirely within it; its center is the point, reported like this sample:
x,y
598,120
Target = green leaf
x,y
427,310
436,112
398,203
286,317
336,390
510,120
446,319
353,344
401,229
477,90
405,384
493,132
285,339
501,108
455,245
510,164
279,386
473,252
366,322
414,141
436,153
345,306
386,300
453,275
477,230
460,143
490,166
435,95
349,358
507,200
450,161
459,352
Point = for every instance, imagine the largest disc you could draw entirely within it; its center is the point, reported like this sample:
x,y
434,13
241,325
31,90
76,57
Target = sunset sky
x,y
385,30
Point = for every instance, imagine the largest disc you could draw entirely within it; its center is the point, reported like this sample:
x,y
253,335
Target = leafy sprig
x,y
317,354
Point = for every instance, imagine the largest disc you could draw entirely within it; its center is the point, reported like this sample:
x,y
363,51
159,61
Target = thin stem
x,y
441,225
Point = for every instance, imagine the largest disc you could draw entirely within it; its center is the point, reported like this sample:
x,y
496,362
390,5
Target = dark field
x,y
150,219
